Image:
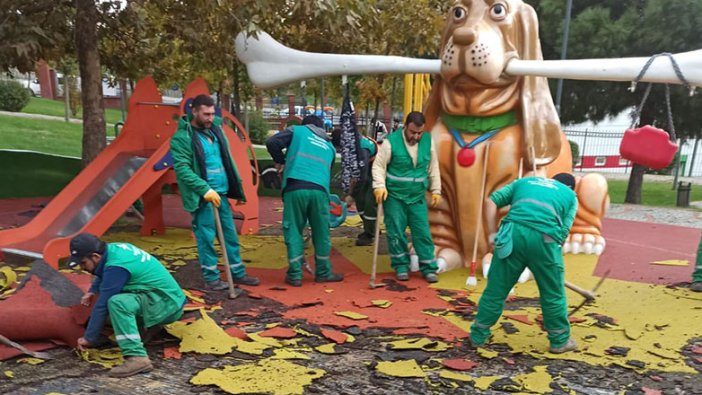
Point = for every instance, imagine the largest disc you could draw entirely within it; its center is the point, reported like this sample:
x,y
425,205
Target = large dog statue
x,y
473,97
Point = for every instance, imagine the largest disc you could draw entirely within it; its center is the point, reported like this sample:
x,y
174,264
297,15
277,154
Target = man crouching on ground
x,y
135,290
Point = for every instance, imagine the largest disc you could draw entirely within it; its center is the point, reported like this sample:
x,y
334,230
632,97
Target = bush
x,y
13,96
258,127
574,151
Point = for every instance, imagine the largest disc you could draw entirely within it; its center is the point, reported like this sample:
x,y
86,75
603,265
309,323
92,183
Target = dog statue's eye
x,y
459,13
498,12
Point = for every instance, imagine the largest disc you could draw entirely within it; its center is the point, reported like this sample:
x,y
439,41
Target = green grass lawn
x,y
51,137
38,105
657,194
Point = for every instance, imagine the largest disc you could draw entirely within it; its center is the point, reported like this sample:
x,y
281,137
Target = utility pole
x,y
564,50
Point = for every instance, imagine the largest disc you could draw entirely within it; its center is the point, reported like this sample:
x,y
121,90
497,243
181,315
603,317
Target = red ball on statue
x,y
466,157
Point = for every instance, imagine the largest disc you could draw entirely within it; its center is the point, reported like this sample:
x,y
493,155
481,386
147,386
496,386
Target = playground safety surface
x,y
642,336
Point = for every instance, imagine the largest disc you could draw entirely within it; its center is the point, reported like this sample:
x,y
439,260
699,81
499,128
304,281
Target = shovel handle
x,y
220,234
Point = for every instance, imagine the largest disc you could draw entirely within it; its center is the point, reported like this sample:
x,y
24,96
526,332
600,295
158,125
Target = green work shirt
x,y
309,158
148,277
542,204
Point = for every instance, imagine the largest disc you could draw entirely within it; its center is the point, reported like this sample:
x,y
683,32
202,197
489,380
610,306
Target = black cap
x,y
566,179
83,245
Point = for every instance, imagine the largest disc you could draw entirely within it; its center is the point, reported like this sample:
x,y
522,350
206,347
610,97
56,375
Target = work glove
x,y
435,199
213,197
380,195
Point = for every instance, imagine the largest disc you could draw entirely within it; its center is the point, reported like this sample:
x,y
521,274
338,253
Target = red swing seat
x,y
648,146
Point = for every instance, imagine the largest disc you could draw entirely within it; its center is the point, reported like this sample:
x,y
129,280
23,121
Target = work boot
x,y
569,346
402,276
292,282
431,277
332,278
696,286
247,280
365,239
132,366
216,285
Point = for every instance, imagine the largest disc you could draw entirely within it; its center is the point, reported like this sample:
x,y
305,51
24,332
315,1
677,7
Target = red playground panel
x,y
136,165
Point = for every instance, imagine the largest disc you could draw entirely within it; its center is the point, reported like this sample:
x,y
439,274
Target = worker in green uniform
x,y
306,167
136,291
405,167
541,213
697,274
362,189
205,172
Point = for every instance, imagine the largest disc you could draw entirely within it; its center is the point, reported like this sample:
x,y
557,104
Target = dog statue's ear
x,y
432,107
542,128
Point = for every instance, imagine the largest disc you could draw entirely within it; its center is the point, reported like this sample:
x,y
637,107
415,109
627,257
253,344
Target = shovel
x,y
233,292
372,283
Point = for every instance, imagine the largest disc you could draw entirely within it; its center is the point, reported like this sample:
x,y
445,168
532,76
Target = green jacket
x,y
160,293
189,165
542,204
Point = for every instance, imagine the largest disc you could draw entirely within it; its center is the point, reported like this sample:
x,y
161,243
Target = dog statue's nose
x,y
463,36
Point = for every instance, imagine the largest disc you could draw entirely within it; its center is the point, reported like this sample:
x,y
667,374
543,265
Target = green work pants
x,y
398,215
127,316
300,207
697,274
365,204
205,231
544,258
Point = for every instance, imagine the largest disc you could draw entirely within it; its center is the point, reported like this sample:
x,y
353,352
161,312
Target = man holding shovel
x,y
205,172
530,236
405,167
306,166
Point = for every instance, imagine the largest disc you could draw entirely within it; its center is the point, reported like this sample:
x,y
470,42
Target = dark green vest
x,y
405,180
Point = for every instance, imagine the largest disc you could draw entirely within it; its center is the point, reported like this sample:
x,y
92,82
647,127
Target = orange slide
x,y
137,164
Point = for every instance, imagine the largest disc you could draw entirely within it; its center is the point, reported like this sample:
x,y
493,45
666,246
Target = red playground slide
x,y
137,164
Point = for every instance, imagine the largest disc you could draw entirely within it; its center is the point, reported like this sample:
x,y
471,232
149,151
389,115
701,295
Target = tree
x,y
90,79
614,29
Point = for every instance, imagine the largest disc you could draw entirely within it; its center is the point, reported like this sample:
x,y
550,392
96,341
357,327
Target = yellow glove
x,y
213,197
380,195
435,200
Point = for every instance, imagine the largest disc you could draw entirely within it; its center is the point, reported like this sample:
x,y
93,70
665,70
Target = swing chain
x,y
636,112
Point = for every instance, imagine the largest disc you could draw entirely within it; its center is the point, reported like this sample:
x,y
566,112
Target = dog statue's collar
x,y
472,124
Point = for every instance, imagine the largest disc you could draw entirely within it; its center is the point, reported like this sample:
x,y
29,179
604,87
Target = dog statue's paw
x,y
584,243
448,259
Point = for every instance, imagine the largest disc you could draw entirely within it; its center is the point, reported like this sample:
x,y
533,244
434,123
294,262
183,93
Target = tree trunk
x,y
633,189
91,79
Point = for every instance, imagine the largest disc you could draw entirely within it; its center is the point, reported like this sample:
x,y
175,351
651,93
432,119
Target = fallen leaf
x,y
447,374
671,262
8,277
335,336
171,353
31,361
233,331
278,333
328,348
351,315
459,364
383,304
274,376
406,368
284,353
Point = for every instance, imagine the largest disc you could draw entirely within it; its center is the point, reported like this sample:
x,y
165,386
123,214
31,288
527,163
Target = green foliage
x,y
13,96
51,137
659,194
574,151
258,127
